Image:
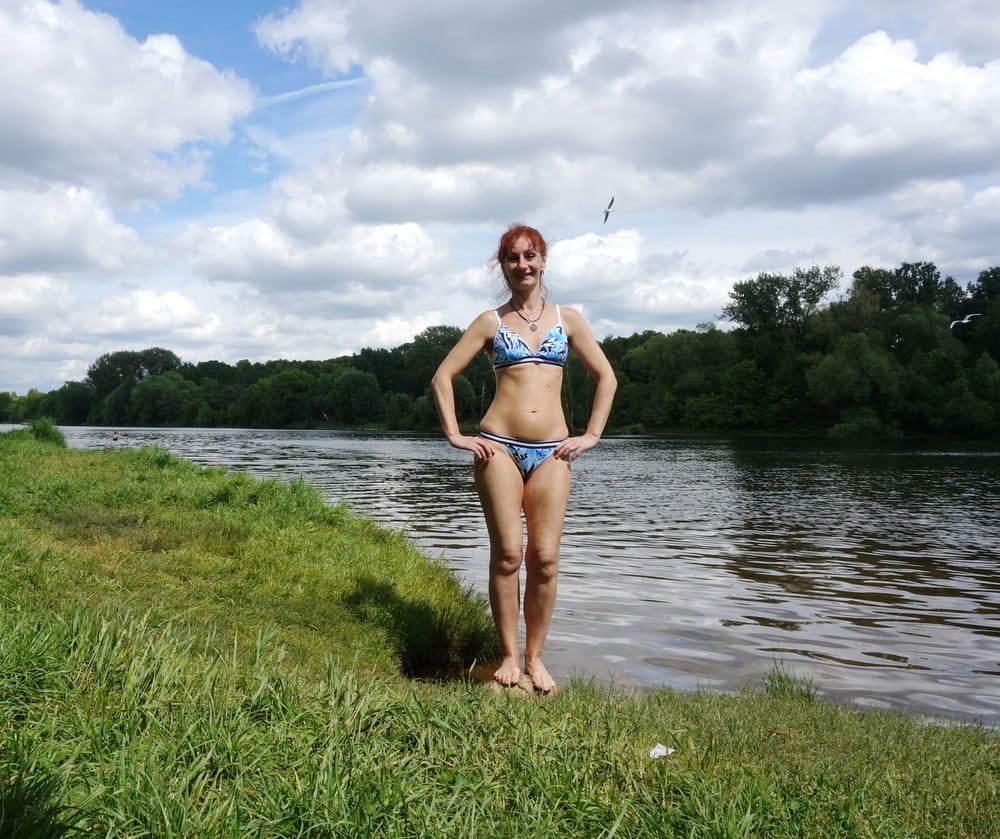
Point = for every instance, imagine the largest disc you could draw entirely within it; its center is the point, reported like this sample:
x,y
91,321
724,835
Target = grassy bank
x,y
225,554
267,701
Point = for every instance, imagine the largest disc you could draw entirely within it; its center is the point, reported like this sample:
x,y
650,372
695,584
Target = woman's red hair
x,y
515,232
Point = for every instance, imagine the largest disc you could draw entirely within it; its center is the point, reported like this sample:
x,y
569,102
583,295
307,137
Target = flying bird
x,y
608,211
966,319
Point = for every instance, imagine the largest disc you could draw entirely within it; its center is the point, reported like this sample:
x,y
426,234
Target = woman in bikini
x,y
523,451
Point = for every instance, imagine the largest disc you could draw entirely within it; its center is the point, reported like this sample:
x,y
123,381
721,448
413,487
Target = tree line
x,y
884,359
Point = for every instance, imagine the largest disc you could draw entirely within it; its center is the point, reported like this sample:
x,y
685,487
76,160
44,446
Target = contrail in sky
x,y
309,90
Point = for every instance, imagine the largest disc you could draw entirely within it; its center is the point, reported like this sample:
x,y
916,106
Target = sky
x,y
267,180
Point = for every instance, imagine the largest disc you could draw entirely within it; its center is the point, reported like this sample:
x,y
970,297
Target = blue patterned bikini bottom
x,y
528,456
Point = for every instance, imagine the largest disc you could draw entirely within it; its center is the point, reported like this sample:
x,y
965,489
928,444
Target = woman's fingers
x,y
571,448
480,448
567,449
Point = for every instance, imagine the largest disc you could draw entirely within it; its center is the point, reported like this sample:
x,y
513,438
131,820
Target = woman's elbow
x,y
440,379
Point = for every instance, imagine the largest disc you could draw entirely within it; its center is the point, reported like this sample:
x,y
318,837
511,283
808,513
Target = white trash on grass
x,y
659,750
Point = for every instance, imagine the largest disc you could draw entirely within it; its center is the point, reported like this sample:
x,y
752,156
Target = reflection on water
x,y
703,563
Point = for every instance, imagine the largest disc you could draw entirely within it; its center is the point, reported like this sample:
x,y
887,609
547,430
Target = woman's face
x,y
523,265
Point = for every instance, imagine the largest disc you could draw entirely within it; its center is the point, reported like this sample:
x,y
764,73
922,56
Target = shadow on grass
x,y
427,640
29,809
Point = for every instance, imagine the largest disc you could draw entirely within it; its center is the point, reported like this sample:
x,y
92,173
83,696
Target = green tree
x,y
112,369
773,311
356,396
986,288
917,283
167,399
917,329
7,403
929,384
114,408
856,376
283,400
420,358
73,403
29,406
743,388
773,302
465,399
398,411
425,412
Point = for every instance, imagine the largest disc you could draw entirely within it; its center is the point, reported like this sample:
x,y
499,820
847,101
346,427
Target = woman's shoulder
x,y
484,322
571,316
487,316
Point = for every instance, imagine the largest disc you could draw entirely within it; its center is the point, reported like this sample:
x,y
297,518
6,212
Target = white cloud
x,y
28,301
355,266
776,260
395,330
970,27
921,197
888,101
83,103
142,312
63,229
939,222
621,279
713,103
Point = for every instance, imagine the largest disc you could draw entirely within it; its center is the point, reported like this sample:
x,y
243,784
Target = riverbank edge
x,y
143,527
111,718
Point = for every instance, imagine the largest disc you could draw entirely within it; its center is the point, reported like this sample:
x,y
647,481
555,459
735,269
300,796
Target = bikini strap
x,y
559,315
497,313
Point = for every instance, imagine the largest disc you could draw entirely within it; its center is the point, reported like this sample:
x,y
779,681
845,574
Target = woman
x,y
523,451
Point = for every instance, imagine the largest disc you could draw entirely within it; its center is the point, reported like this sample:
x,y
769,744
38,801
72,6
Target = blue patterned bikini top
x,y
510,348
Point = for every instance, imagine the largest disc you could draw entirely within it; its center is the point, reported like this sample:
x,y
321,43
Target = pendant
x,y
534,327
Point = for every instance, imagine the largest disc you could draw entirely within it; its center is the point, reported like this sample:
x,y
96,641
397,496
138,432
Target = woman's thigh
x,y
501,493
546,494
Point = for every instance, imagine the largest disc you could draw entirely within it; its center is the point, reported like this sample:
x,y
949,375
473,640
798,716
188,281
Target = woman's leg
x,y
500,491
546,493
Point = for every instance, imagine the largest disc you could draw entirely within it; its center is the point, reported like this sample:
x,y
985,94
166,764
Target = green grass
x,y
222,551
45,429
137,704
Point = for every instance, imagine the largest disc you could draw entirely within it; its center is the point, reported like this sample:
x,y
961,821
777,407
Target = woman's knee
x,y
505,559
543,562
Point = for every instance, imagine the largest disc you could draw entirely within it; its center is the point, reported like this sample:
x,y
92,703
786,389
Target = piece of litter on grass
x,y
659,750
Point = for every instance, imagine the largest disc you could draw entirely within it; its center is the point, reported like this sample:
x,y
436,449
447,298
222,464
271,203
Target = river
x,y
694,563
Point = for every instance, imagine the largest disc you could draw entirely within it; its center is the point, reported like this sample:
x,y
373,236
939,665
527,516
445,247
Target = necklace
x,y
532,324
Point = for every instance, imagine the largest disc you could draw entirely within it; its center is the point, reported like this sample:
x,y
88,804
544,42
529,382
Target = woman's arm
x,y
474,339
590,353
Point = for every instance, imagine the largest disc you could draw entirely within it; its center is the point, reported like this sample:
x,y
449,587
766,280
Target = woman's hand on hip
x,y
572,447
479,446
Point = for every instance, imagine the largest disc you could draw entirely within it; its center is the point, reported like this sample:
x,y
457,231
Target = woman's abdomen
x,y
527,405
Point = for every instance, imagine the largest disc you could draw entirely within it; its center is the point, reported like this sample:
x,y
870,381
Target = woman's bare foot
x,y
508,673
540,678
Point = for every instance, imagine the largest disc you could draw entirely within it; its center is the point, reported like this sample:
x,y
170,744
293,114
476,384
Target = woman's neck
x,y
532,301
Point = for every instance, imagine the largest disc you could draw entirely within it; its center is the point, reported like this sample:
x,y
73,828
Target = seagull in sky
x,y
608,211
966,319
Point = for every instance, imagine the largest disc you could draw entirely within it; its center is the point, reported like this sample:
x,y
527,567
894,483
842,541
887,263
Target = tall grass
x,y
45,430
227,552
113,726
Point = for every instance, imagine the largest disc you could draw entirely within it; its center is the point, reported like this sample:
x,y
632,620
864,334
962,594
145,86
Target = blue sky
x,y
300,180
291,93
